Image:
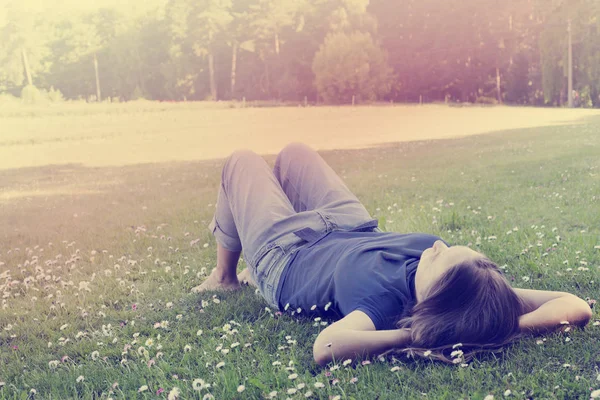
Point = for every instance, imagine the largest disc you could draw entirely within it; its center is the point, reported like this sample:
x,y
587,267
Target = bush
x,y
137,94
585,98
32,95
54,95
351,65
486,100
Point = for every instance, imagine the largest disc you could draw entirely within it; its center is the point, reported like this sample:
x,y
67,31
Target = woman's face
x,y
435,261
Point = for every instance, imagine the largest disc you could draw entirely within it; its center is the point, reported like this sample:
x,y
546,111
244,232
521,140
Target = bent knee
x,y
295,147
239,158
242,153
294,150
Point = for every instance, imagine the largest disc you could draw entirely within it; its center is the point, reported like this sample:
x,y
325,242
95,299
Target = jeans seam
x,y
288,183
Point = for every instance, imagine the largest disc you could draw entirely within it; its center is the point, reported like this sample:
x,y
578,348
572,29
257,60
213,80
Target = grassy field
x,y
96,264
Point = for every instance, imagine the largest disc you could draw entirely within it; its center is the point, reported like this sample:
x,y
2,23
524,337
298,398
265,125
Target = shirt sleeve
x,y
383,311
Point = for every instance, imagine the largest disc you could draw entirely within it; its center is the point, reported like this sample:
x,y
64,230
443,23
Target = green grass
x,y
528,198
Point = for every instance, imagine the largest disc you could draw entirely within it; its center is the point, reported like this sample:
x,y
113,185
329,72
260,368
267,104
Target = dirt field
x,y
126,134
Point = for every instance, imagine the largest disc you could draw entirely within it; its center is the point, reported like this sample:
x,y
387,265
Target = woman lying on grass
x,y
311,247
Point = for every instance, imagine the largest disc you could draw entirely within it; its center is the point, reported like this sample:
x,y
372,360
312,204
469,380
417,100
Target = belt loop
x,y
307,234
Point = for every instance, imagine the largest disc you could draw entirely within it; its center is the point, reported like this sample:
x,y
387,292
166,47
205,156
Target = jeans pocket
x,y
263,261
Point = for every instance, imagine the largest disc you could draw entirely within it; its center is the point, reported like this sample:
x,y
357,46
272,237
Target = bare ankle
x,y
224,276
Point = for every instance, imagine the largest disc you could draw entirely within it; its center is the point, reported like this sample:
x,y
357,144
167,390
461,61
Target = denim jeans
x,y
269,215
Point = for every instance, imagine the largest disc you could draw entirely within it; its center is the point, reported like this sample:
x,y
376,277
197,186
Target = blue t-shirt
x,y
368,271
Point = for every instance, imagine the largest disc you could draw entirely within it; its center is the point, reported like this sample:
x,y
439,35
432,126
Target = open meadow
x,y
103,232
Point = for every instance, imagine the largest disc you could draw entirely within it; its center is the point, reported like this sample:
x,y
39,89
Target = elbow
x,y
586,316
320,357
584,313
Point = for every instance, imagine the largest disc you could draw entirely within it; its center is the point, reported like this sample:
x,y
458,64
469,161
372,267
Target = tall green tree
x,y
270,19
584,16
587,52
208,22
553,49
24,51
178,69
351,66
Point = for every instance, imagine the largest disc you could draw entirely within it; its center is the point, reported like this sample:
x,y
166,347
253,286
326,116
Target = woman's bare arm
x,y
546,311
355,336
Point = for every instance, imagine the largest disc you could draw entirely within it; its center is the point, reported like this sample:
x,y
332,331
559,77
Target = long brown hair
x,y
472,303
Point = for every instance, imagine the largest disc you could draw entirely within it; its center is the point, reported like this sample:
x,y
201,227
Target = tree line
x,y
333,51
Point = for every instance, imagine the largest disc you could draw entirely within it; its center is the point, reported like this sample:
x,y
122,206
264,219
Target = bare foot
x,y
215,281
245,278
